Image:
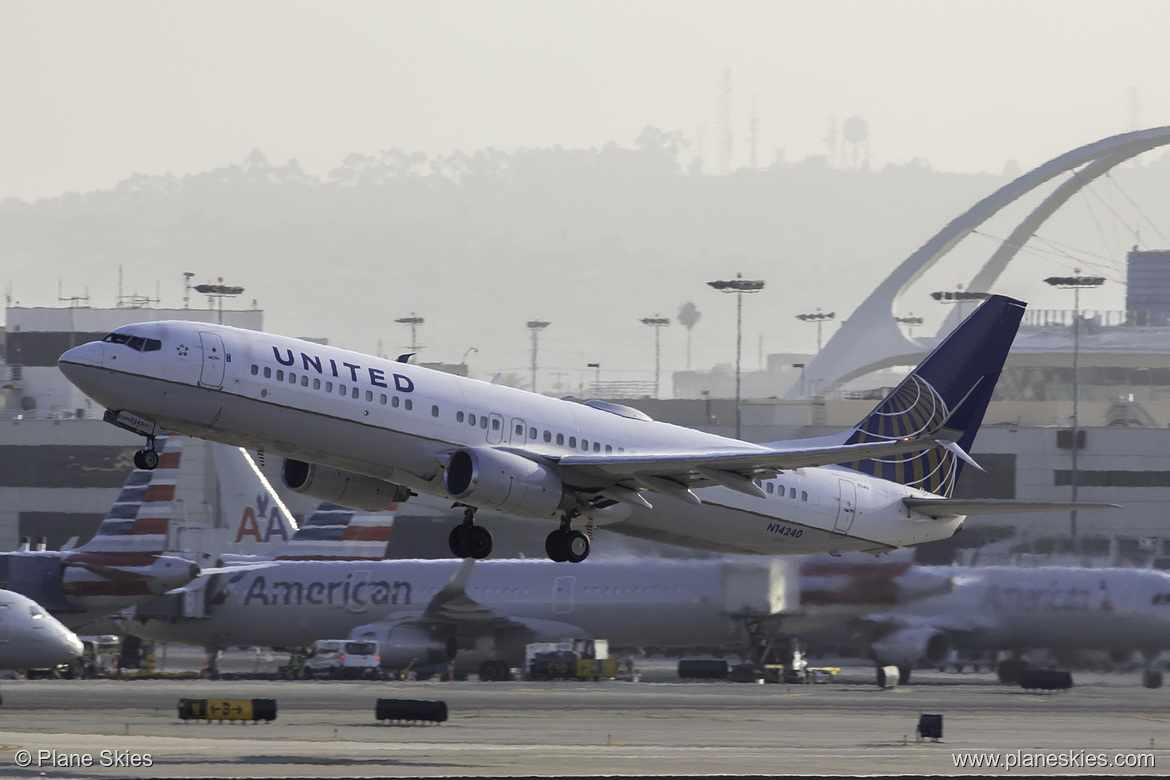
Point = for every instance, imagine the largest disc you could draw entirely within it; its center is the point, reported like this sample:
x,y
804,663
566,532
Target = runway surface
x,y
327,729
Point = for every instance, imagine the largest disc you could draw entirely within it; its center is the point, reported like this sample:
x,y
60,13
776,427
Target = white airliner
x,y
1004,608
427,611
364,432
30,638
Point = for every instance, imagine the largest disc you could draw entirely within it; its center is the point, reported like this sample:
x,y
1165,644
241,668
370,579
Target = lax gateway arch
x,y
871,339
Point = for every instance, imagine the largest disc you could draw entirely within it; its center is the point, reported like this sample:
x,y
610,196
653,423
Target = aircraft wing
x,y
452,601
675,473
675,465
957,622
949,507
452,605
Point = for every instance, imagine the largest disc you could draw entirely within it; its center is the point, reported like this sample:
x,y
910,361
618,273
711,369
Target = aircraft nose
x,y
77,364
74,645
91,354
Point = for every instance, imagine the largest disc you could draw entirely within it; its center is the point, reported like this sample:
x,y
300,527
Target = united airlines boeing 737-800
x,y
364,432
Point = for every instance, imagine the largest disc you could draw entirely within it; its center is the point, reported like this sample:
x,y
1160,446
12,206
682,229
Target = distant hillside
x,y
481,242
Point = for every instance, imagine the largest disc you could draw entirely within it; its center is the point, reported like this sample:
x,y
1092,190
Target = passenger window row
x,y
532,434
778,489
482,421
343,390
636,590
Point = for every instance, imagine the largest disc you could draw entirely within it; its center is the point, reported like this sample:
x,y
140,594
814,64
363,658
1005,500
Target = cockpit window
x,y
137,343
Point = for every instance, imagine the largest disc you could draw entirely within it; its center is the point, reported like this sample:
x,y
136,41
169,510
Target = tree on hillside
x,y
688,315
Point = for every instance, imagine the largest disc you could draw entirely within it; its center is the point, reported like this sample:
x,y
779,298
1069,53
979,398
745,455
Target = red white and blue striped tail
x,y
336,533
138,521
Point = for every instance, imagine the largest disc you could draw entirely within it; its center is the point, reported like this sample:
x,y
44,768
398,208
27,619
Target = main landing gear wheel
x,y
553,547
476,541
567,545
455,542
469,540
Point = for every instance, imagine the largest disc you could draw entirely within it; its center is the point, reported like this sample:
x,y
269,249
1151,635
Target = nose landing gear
x,y
147,458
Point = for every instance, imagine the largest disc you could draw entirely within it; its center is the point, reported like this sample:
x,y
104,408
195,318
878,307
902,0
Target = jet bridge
x,y
759,588
759,593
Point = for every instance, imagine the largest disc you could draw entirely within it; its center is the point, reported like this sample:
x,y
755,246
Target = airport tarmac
x,y
327,729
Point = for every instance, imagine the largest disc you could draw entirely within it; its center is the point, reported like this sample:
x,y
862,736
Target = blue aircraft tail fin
x,y
946,396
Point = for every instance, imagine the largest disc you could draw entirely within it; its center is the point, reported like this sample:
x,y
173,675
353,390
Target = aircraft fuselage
x,y
661,602
399,423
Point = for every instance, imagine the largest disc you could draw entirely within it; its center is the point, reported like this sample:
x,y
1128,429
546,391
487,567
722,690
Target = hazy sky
x,y
92,92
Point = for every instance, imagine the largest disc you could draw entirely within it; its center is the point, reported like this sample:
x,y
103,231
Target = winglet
x,y
959,452
455,588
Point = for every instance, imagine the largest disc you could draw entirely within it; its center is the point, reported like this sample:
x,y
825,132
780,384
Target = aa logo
x,y
267,513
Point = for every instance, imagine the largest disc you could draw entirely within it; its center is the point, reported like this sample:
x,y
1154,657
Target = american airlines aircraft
x,y
122,565
428,611
365,432
425,611
1005,608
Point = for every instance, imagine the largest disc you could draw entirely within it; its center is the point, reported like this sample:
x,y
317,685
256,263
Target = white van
x,y
344,659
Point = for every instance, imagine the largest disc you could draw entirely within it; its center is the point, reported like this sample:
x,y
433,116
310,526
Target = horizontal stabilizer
x,y
950,507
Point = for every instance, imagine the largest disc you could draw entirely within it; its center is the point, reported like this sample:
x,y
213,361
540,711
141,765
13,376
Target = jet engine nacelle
x,y
400,646
162,573
343,488
495,479
911,646
169,572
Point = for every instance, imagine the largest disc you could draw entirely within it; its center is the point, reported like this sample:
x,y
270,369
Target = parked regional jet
x,y
30,638
1063,609
364,432
122,565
